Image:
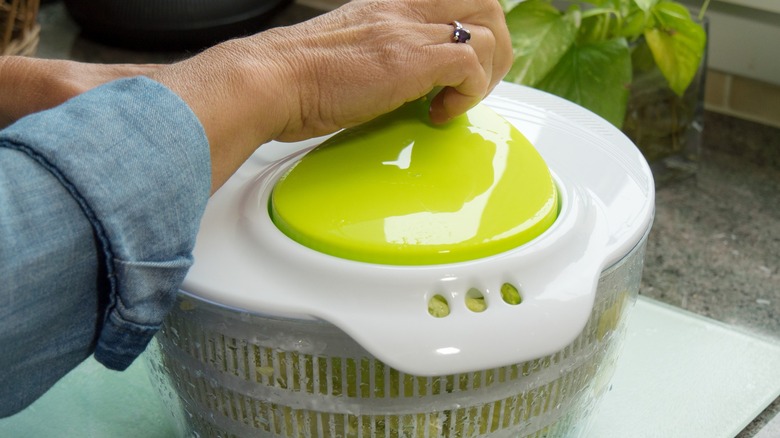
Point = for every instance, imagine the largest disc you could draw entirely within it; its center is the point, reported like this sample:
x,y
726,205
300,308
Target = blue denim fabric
x,y
100,203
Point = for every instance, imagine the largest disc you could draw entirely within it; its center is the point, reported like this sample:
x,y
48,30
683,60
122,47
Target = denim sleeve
x,y
129,163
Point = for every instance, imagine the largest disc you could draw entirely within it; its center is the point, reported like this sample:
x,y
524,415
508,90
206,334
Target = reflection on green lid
x,y
402,191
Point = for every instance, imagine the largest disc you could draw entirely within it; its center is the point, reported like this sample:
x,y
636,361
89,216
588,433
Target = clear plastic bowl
x,y
230,373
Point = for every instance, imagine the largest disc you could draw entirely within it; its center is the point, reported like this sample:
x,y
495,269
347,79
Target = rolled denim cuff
x,y
136,160
121,342
130,326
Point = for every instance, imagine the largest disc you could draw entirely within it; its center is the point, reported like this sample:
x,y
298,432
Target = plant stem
x,y
703,9
598,11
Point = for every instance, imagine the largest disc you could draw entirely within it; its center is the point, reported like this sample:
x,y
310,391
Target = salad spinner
x,y
402,279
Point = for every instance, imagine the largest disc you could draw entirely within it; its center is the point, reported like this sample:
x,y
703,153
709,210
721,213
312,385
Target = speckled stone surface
x,y
715,245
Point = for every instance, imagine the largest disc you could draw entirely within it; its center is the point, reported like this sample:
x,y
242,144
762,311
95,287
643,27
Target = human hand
x,y
30,85
369,57
339,70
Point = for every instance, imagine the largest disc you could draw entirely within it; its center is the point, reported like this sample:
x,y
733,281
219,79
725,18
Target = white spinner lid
x,y
242,260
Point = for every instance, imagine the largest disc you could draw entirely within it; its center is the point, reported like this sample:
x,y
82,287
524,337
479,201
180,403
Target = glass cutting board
x,y
680,375
683,375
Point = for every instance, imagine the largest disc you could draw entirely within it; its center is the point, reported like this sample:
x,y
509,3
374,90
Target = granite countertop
x,y
715,246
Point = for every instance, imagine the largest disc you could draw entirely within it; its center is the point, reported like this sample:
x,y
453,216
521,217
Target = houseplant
x,y
599,53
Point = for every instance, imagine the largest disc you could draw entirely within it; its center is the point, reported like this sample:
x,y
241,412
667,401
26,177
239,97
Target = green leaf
x,y
645,5
597,3
596,76
540,34
593,28
677,43
508,5
633,25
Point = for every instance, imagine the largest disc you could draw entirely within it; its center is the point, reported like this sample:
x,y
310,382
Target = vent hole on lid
x,y
475,301
438,306
510,294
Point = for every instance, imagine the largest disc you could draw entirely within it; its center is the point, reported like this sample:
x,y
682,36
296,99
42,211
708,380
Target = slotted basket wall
x,y
19,29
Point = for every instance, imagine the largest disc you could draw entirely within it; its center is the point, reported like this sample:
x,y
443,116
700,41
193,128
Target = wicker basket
x,y
19,28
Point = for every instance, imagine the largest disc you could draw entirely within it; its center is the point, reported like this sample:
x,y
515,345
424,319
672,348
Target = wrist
x,y
30,85
12,71
237,96
264,87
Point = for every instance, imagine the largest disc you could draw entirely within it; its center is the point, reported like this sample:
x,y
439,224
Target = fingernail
x,y
437,113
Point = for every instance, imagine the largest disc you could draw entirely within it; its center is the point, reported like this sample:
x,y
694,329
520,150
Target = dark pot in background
x,y
170,24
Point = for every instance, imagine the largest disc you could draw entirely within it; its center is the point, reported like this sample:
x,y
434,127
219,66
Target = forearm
x,y
49,305
240,99
29,85
102,198
22,88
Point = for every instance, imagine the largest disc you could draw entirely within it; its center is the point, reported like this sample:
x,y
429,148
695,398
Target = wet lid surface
x,y
402,191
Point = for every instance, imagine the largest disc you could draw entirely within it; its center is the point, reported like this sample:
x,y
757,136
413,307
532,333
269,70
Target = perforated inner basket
x,y
229,373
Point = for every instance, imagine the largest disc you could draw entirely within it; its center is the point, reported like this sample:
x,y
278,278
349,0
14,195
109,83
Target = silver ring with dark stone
x,y
460,34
